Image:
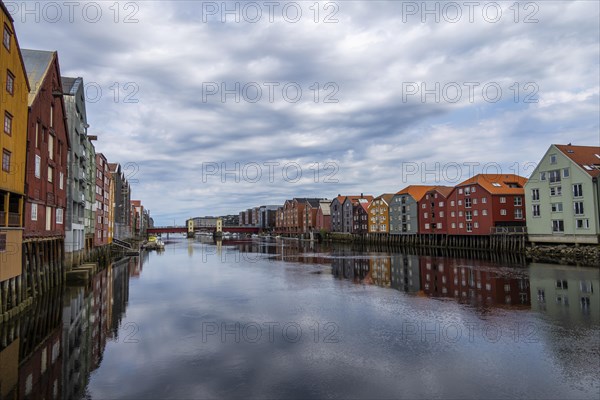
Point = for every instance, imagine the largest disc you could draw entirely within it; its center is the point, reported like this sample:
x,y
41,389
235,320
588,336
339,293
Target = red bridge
x,y
182,229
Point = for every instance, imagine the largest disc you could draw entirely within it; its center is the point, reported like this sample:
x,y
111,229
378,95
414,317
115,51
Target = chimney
x,y
361,196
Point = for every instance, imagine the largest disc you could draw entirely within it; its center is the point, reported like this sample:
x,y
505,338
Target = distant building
x,y
266,217
432,209
360,217
122,203
563,196
404,210
348,206
485,203
324,216
336,210
379,216
103,184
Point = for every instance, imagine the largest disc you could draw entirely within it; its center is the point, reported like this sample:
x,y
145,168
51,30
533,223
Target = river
x,y
290,319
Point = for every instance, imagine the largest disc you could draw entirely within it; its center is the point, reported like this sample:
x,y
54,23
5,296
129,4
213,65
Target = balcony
x,y
14,220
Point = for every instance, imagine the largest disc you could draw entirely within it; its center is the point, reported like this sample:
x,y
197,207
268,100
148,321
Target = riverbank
x,y
586,255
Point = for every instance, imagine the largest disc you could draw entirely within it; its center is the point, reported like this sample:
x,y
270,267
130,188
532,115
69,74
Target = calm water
x,y
283,319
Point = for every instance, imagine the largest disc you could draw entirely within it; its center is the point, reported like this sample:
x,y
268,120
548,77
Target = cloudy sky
x,y
216,107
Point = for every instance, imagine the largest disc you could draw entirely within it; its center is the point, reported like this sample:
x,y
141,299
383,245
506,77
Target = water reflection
x,y
50,351
70,344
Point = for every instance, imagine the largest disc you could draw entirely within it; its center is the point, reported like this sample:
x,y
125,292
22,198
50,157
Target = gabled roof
x,y
314,202
70,85
387,197
324,205
365,205
37,64
498,183
355,199
444,190
340,199
416,191
587,157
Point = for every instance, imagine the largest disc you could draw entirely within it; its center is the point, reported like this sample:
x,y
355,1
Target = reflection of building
x,y
40,360
406,275
380,270
565,292
473,281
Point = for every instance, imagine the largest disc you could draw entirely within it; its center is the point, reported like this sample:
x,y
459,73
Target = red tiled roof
x,y
587,157
444,190
416,191
497,183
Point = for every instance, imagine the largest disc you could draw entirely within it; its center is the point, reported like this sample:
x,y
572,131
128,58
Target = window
x,y
460,202
425,215
562,284
50,174
460,225
536,210
474,201
52,116
8,123
554,176
496,184
460,191
558,225
565,172
426,226
483,200
452,214
552,158
484,212
556,207
441,214
476,225
453,225
439,225
468,216
6,160
556,191
468,203
61,181
38,166
6,37
535,194
475,213
441,204
582,223
542,176
59,216
578,190
34,212
503,212
577,206
51,147
460,213
502,199
467,191
518,213
469,227
10,82
518,201
452,203
423,205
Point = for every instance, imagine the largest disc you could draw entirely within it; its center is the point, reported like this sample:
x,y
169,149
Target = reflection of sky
x,y
374,358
